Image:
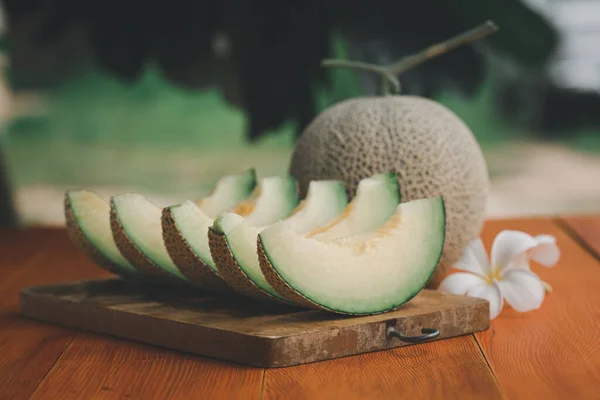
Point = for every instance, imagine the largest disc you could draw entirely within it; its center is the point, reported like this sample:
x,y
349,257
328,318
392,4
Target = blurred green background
x,y
95,131
92,130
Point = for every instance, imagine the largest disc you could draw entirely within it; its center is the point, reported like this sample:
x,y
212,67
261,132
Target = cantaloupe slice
x,y
185,234
276,199
87,216
364,274
137,229
325,200
185,227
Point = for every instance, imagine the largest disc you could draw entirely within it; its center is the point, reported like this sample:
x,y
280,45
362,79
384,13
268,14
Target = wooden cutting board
x,y
240,330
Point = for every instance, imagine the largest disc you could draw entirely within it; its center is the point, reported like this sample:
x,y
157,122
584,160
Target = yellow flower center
x,y
494,274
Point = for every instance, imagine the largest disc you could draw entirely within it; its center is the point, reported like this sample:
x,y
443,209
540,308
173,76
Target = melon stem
x,y
388,73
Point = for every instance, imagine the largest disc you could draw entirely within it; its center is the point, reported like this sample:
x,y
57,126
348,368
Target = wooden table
x,y
551,353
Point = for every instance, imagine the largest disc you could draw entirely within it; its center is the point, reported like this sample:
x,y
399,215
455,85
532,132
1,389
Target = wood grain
x,y
17,246
553,352
449,369
550,353
102,368
29,349
236,329
27,352
586,229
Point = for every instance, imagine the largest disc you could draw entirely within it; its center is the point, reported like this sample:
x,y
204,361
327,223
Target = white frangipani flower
x,y
508,276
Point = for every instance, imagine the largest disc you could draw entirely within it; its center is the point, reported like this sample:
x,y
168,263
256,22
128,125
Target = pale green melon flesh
x,y
194,219
92,214
228,192
193,225
324,201
276,199
376,200
141,221
364,274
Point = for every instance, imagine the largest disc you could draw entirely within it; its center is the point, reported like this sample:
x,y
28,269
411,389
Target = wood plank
x,y
449,369
553,352
95,367
13,251
29,349
27,352
237,329
586,229
44,256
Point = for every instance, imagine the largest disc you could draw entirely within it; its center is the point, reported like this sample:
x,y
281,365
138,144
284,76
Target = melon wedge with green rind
x,y
364,274
375,201
137,227
324,201
275,199
88,225
185,234
185,228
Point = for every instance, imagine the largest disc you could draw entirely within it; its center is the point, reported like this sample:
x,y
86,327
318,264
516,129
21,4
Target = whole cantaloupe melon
x,y
431,150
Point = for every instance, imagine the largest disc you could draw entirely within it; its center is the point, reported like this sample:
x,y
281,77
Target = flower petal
x,y
460,283
546,252
522,289
490,292
545,238
508,245
521,261
474,259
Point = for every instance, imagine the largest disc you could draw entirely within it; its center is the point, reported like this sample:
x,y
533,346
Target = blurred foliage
x,y
97,108
273,49
160,137
587,140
